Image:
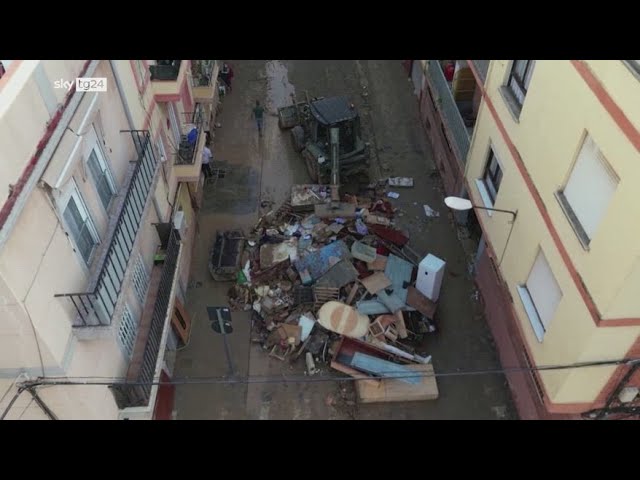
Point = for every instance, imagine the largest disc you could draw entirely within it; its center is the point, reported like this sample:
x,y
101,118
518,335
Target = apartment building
x,y
96,231
557,143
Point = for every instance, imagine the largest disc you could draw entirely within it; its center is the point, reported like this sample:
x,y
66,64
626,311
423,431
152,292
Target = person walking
x,y
258,114
206,162
226,73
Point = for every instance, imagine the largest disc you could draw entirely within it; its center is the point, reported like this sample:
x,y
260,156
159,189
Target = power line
x,y
249,379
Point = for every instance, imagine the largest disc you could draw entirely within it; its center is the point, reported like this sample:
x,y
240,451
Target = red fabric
x,y
449,70
390,235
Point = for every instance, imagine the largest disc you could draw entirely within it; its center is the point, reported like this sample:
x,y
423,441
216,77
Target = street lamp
x,y
463,204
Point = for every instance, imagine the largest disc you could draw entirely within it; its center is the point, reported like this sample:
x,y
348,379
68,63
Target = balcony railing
x,y
202,73
449,111
193,129
96,307
165,70
482,67
141,376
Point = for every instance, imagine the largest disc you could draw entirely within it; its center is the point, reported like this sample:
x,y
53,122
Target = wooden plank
x,y
352,293
421,303
400,325
392,390
379,264
376,282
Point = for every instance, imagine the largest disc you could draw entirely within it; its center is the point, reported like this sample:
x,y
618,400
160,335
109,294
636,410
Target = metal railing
x,y
95,308
188,148
482,67
139,393
449,110
165,70
202,73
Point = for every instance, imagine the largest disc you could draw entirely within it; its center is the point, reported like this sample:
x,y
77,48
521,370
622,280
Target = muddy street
x,y
256,171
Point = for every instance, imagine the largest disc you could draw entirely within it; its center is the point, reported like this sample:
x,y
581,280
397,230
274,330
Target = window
x,y
79,223
101,176
492,176
127,332
634,66
141,72
587,194
140,280
540,296
175,126
162,154
519,79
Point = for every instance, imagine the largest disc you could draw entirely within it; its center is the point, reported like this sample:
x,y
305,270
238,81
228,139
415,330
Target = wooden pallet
x,y
322,295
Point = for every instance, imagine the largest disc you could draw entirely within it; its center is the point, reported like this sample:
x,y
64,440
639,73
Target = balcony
x,y
204,75
457,103
95,307
482,67
144,365
167,76
188,159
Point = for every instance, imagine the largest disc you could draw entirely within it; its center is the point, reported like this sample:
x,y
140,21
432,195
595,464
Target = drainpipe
x,y
123,99
45,150
127,112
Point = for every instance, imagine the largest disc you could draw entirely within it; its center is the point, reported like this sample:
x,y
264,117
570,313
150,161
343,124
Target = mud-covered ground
x,y
264,168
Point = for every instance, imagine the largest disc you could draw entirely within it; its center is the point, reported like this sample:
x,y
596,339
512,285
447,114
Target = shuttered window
x,y
127,331
80,225
540,296
101,176
589,191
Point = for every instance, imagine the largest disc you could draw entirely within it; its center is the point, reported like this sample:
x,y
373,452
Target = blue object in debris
x,y
382,368
399,271
319,262
192,136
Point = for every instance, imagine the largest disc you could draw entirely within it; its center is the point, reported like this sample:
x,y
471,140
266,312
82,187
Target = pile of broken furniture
x,y
340,292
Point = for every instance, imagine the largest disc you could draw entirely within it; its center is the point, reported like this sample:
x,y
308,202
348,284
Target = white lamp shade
x,y
457,203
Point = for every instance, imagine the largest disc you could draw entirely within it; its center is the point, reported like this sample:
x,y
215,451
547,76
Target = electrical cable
x,y
113,381
13,400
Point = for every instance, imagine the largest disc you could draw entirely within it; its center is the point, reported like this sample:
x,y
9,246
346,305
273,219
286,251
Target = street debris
x,y
336,290
430,212
400,182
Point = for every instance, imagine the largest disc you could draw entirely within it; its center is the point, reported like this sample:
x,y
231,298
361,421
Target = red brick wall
x,y
444,158
511,350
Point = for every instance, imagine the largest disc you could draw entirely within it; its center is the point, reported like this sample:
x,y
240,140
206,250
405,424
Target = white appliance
x,y
430,276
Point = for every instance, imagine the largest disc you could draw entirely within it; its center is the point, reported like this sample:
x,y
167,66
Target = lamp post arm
x,y
497,210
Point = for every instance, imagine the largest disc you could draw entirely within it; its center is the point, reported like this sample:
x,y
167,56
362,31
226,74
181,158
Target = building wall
x,y
558,108
39,250
39,258
444,157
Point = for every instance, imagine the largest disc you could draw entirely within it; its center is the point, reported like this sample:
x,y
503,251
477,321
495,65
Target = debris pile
x,y
338,292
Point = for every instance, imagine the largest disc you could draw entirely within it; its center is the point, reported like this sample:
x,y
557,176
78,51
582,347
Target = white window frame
x,y
141,72
128,331
519,87
632,65
482,186
162,153
539,324
176,131
73,192
106,171
585,237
